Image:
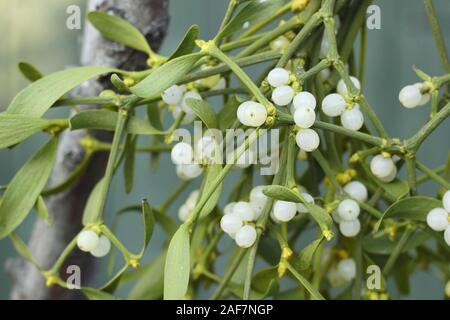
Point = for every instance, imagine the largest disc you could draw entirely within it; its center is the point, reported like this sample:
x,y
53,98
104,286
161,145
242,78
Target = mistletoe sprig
x,y
348,187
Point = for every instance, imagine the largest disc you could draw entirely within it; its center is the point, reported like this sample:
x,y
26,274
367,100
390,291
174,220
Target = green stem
x,y
308,286
63,256
245,79
229,274
362,56
228,15
432,174
437,34
426,177
261,24
412,179
415,141
323,163
397,250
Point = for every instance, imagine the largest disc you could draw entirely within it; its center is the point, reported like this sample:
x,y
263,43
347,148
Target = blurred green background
x,y
35,31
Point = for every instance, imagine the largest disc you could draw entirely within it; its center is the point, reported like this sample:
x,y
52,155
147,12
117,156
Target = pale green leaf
x,y
106,120
15,128
42,211
228,113
96,294
29,71
39,96
281,193
25,188
187,45
92,209
384,245
306,255
149,222
116,29
150,284
413,208
165,76
22,248
204,111
177,266
397,188
252,12
211,175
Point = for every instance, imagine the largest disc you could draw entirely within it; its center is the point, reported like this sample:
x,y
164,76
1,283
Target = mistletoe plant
x,y
336,166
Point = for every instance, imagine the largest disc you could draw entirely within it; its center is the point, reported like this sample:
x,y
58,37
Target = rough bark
x,y
47,242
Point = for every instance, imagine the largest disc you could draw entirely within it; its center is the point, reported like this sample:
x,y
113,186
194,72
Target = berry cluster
x,y
239,217
90,241
438,219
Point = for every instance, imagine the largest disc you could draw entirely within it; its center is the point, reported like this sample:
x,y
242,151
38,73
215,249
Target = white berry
x,y
257,208
350,229
437,219
188,118
304,117
347,269
257,195
228,209
348,210
182,153
446,201
205,149
284,210
390,177
307,140
103,247
342,88
425,96
301,208
244,210
184,103
279,43
447,236
333,105
246,236
87,240
278,77
173,95
410,96
356,190
352,119
382,167
252,114
183,212
283,95
188,171
304,99
231,223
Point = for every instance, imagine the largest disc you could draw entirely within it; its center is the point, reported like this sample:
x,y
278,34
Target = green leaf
x,y
413,208
165,76
119,30
204,111
397,188
92,208
319,214
265,283
212,172
96,294
29,71
227,115
150,285
39,96
22,248
177,266
252,12
111,286
306,255
25,188
383,245
281,193
42,211
149,223
15,128
128,167
187,45
154,117
106,120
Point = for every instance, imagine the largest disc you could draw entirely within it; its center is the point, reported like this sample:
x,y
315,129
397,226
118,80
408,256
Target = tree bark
x,y
47,242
